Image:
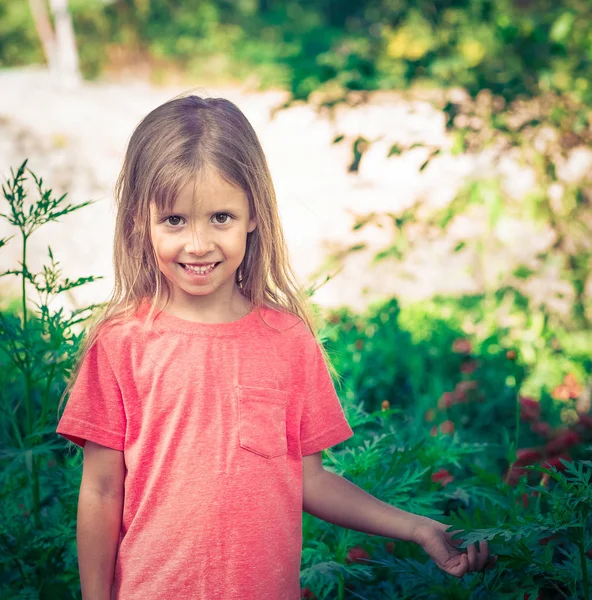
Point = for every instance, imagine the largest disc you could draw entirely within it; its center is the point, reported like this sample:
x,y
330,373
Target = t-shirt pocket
x,y
262,420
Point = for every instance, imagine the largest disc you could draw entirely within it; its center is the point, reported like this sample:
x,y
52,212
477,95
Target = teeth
x,y
200,270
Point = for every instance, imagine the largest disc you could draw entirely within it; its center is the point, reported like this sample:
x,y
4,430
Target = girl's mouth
x,y
195,270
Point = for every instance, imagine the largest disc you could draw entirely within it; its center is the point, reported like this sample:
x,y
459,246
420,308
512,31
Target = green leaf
x,y
395,150
561,29
523,272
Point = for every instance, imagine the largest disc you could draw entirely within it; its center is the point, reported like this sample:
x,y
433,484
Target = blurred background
x,y
445,143
433,165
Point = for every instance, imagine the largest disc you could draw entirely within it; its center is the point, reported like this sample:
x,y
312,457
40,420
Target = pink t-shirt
x,y
213,421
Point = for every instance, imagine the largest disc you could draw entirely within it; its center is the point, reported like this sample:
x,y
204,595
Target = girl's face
x,y
200,245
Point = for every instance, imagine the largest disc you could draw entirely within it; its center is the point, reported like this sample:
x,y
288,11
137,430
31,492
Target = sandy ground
x,y
75,139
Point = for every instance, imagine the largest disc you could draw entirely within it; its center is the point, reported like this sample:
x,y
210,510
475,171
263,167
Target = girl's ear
x,y
252,225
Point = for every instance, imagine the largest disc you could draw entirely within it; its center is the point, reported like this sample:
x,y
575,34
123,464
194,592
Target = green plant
x,y
38,345
404,370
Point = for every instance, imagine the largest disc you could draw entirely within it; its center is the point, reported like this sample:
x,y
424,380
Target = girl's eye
x,y
225,216
173,220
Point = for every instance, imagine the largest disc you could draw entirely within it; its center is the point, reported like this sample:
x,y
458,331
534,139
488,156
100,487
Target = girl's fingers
x,y
483,555
472,557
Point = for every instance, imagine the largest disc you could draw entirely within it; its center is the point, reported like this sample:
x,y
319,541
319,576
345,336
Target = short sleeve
x,y
95,410
323,423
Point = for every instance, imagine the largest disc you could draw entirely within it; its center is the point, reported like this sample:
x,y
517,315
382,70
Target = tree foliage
x,y
511,47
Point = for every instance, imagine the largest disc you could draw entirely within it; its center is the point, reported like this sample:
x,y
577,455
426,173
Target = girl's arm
x,y
100,506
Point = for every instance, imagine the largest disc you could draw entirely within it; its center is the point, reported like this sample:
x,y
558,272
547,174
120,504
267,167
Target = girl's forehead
x,y
207,191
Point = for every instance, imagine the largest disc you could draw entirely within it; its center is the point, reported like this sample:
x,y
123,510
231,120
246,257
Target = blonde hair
x,y
169,148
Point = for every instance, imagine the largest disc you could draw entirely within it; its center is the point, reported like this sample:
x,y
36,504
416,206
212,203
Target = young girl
x,y
202,399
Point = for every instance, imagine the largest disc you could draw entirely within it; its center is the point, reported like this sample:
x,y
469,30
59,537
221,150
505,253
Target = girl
x,y
202,399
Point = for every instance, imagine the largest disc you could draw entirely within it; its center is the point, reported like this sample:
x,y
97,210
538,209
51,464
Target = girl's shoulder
x,y
119,329
286,323
280,318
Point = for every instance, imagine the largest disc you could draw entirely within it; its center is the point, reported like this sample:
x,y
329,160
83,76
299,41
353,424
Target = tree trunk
x,y
57,39
44,31
66,52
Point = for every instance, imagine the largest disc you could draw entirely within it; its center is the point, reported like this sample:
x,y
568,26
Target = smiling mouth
x,y
199,270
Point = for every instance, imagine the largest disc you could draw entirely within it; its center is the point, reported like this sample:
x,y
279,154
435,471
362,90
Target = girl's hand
x,y
442,549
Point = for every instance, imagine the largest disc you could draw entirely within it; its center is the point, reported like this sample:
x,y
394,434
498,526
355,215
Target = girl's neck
x,y
237,309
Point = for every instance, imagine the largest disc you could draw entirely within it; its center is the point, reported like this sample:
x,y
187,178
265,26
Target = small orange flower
x,y
430,415
511,355
359,344
573,387
561,392
385,405
390,547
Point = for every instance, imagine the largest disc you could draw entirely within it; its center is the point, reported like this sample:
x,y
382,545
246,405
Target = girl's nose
x,y
197,243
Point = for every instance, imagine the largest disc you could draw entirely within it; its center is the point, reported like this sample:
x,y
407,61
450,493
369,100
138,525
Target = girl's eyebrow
x,y
227,209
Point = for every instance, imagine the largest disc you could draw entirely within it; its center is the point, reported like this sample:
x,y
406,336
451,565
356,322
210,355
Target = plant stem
x,y
583,564
48,383
34,466
340,587
23,281
517,393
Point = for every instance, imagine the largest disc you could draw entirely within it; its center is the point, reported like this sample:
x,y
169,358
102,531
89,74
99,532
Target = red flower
x,y
515,474
356,555
544,541
530,409
511,354
446,400
443,477
561,442
527,456
468,367
462,346
359,344
434,431
430,415
555,461
306,593
461,390
390,547
541,428
447,427
585,420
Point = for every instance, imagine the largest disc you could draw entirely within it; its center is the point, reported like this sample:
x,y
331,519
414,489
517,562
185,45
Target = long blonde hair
x,y
173,143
